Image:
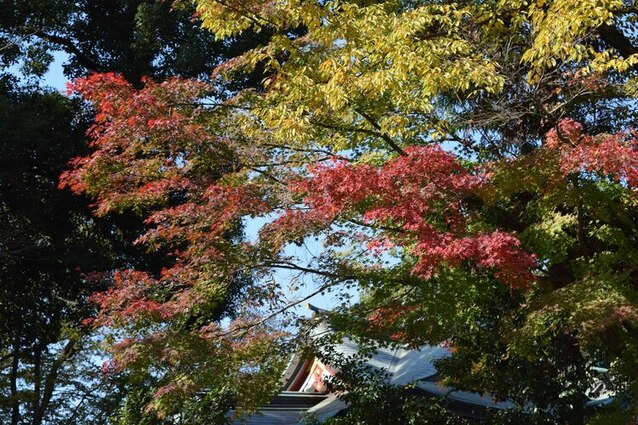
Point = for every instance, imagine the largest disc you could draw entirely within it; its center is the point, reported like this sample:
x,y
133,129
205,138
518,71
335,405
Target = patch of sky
x,y
313,253
299,286
53,78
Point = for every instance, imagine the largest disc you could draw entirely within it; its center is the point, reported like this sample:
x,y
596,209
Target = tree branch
x,y
616,39
70,48
384,136
243,329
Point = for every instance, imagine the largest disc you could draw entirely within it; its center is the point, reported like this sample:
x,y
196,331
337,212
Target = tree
x,y
46,258
470,166
46,237
134,37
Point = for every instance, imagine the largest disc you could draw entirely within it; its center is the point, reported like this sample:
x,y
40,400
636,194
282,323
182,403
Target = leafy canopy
x,y
470,166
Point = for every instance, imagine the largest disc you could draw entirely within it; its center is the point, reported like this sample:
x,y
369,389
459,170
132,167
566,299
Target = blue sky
x,y
55,76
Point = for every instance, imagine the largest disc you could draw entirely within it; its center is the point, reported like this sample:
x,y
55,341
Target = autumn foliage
x,y
422,195
459,180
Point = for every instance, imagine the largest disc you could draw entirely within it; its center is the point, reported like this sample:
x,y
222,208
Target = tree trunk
x,y
37,376
51,378
13,379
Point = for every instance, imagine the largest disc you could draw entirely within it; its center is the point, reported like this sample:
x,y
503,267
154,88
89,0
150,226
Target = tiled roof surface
x,y
289,407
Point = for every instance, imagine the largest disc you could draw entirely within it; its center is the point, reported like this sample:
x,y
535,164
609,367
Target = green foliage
x,y
138,38
494,81
373,402
349,136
